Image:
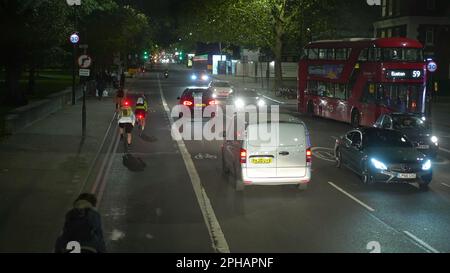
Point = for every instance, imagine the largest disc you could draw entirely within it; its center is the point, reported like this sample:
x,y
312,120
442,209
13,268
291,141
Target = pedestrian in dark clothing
x,y
122,80
101,86
83,226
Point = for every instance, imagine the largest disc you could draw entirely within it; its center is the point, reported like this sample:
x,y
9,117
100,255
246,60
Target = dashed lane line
x,y
352,197
420,242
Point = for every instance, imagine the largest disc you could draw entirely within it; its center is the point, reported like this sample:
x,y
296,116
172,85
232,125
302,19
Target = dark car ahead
x,y
197,98
415,126
382,155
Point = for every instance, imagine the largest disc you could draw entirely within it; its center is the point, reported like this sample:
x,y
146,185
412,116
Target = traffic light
x,y
145,55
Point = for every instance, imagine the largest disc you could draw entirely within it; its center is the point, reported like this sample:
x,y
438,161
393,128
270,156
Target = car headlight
x,y
434,139
214,95
378,164
261,103
427,165
231,91
194,77
205,77
239,103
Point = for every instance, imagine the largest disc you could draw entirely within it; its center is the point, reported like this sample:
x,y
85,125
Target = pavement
x,y
43,169
169,196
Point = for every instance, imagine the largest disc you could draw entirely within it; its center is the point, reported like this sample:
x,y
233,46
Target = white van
x,y
284,160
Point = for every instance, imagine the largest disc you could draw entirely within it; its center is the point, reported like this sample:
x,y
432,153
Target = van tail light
x,y
308,155
187,103
243,156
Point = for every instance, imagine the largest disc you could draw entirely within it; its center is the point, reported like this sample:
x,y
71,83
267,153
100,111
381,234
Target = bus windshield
x,y
402,54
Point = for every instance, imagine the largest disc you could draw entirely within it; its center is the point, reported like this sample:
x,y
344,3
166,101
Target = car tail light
x,y
308,155
243,156
187,103
126,103
140,116
212,102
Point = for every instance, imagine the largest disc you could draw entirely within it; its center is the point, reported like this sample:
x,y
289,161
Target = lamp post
x,y
74,39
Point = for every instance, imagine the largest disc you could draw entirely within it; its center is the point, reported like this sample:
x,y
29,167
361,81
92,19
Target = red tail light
x,y
243,156
308,155
140,116
212,102
187,103
126,103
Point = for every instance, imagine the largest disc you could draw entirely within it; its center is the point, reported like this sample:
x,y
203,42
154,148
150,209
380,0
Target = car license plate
x,y
423,147
406,175
261,160
200,105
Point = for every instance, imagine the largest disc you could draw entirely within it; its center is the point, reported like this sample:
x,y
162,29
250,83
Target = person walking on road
x,y
120,94
82,226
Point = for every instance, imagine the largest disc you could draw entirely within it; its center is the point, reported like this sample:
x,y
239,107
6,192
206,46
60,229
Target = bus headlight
x,y
427,165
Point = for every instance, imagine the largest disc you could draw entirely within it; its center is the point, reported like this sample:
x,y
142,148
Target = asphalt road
x,y
171,196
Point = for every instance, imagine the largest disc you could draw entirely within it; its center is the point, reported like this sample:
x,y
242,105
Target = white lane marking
x,y
219,243
323,153
352,197
117,235
274,100
448,186
105,161
444,150
420,242
108,170
98,153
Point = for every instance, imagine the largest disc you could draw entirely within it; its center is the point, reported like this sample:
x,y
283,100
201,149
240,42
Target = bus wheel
x,y
310,109
356,120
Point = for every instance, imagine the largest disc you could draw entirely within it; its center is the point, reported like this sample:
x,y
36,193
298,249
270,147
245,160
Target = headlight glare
x,y
378,164
427,165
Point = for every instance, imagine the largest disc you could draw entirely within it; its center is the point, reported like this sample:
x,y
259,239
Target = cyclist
x,y
141,110
127,120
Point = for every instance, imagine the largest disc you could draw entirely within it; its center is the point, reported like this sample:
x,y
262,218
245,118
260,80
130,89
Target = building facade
x,y
425,20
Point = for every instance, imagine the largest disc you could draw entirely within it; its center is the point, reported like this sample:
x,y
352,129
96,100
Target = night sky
x,y
164,14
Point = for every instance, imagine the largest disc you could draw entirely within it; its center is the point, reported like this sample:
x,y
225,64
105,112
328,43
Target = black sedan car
x,y
382,155
198,98
415,126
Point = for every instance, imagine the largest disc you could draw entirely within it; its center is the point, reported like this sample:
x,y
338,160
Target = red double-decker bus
x,y
357,80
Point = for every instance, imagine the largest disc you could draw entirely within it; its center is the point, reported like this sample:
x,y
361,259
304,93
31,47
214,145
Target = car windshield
x,y
402,54
385,138
410,122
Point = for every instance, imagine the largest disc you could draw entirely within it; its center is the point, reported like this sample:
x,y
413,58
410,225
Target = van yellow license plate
x,y
200,105
261,160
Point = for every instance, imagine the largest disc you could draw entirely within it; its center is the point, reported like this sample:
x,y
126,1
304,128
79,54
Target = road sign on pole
x,y
84,72
432,67
74,38
84,61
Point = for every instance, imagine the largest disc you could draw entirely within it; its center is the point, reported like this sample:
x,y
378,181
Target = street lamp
x,y
74,39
